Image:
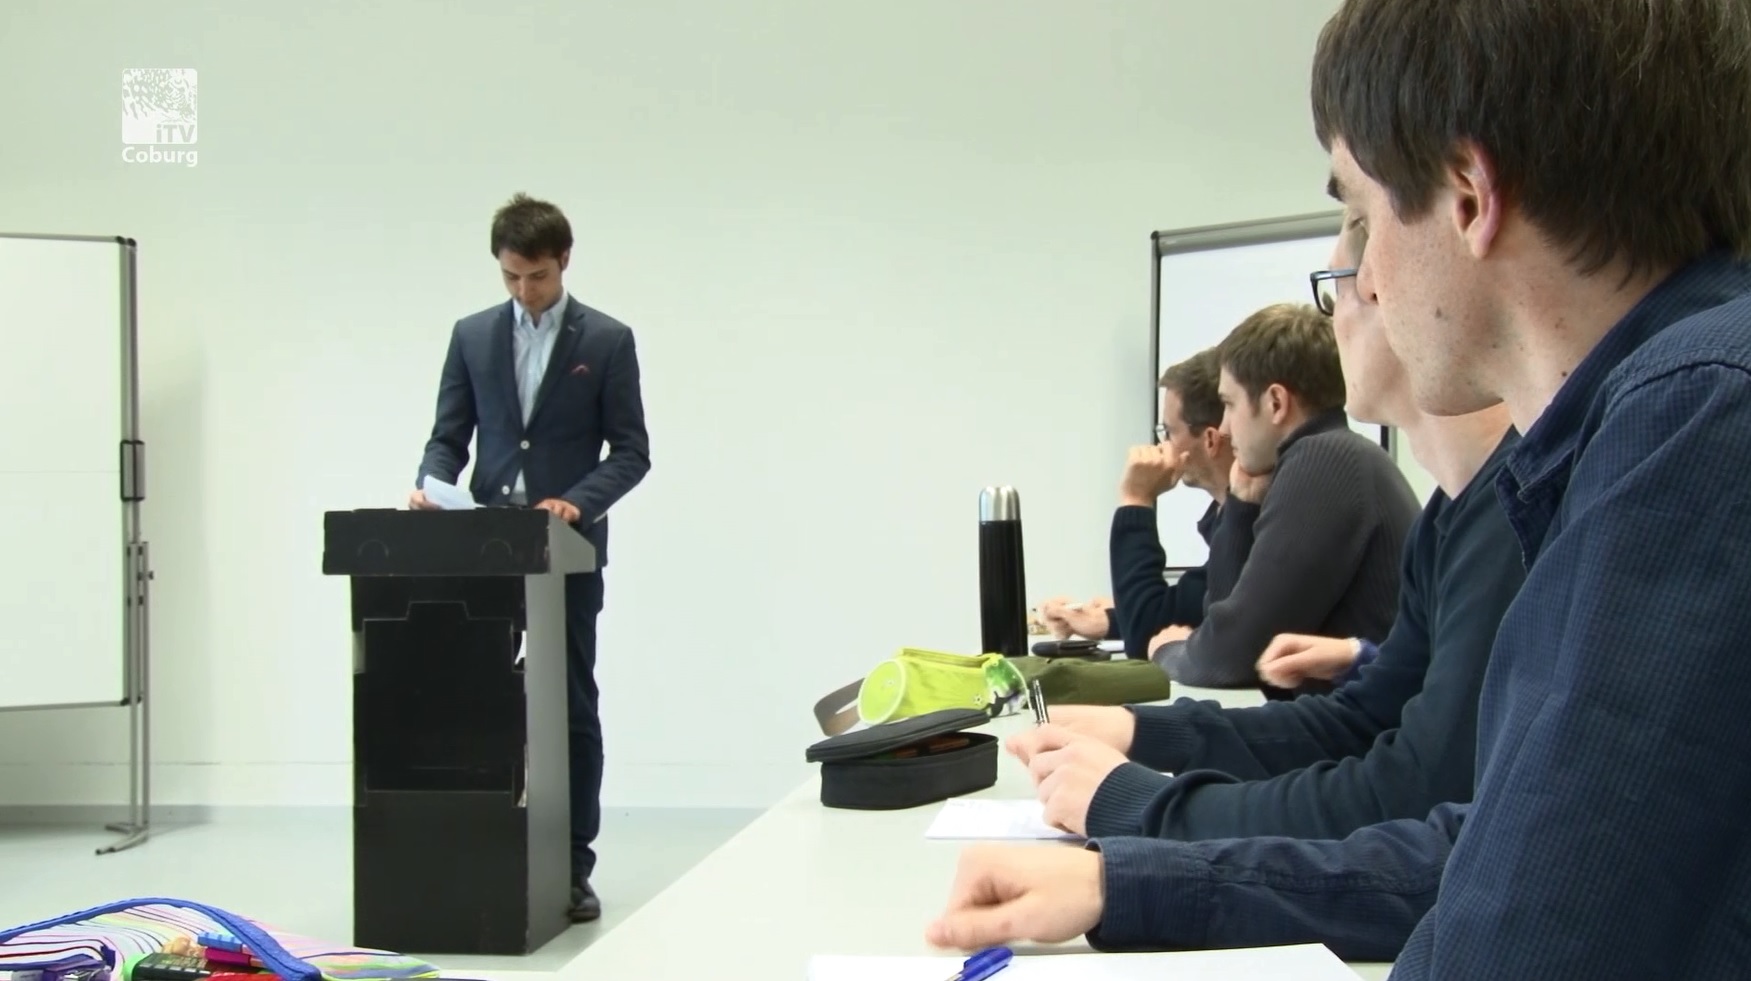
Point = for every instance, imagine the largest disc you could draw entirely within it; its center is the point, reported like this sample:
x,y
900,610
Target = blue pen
x,y
221,941
984,964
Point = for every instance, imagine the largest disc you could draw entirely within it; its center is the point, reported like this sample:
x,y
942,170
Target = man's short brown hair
x,y
1287,344
1620,128
1194,381
531,228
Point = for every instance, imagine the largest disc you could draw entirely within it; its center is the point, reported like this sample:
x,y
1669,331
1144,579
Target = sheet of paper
x,y
1309,962
970,818
446,495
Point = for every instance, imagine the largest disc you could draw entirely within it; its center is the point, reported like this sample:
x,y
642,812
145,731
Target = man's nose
x,y
1363,284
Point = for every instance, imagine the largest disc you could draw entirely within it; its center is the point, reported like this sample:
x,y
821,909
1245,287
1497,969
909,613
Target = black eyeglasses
x,y
1326,299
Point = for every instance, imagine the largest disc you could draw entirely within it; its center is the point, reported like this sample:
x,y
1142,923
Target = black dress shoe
x,y
586,907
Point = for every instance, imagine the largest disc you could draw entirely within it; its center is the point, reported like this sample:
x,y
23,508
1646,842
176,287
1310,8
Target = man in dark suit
x,y
544,382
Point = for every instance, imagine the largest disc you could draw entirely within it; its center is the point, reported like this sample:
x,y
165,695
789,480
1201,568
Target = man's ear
x,y
1275,403
1479,206
565,259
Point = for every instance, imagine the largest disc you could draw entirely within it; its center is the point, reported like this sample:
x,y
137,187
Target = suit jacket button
x,y
524,444
504,490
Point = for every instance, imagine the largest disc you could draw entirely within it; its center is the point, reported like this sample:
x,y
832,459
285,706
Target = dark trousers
x,y
583,601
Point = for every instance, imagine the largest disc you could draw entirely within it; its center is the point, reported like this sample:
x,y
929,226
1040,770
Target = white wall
x,y
878,256
1421,481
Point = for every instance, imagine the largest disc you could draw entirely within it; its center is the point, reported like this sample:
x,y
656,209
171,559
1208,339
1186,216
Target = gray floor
x,y
290,868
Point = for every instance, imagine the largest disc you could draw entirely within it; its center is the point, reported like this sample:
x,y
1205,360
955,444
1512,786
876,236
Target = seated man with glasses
x,y
1190,450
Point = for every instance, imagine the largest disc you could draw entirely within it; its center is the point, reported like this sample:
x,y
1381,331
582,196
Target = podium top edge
x,y
506,541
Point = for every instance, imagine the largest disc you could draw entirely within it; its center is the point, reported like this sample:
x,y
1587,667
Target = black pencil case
x,y
908,762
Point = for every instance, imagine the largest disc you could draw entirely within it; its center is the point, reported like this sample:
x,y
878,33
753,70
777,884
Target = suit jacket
x,y
589,397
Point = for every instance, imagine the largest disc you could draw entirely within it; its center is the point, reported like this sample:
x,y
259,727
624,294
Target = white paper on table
x,y
446,495
1303,962
972,818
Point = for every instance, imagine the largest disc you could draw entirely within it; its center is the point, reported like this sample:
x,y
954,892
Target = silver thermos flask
x,y
1002,584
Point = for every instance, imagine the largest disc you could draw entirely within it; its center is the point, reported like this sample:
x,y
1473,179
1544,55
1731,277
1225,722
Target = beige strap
x,y
836,712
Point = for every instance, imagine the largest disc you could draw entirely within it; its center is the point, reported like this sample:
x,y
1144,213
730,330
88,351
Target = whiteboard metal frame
x,y
134,555
1265,231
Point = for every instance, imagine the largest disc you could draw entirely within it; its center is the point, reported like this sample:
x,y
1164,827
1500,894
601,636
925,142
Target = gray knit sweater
x,y
1325,558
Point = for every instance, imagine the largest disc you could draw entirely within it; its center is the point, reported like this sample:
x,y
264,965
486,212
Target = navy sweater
x,y
1144,602
1607,837
1399,740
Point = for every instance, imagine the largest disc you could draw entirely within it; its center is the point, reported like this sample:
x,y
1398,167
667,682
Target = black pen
x,y
1037,696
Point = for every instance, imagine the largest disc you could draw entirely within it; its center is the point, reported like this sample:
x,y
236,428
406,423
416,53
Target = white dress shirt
x,y
532,347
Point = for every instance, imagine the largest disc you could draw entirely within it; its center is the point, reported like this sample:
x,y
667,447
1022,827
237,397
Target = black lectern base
x,y
446,873
461,793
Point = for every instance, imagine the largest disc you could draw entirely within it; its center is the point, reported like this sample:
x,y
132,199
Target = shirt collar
x,y
550,318
1549,445
1484,481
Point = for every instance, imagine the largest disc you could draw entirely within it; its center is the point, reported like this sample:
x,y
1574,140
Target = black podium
x,y
461,807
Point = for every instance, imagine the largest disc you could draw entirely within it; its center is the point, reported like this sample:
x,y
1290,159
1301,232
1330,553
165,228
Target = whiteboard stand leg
x,y
138,827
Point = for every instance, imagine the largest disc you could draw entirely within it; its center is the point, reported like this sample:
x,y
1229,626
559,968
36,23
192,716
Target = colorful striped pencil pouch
x,y
114,935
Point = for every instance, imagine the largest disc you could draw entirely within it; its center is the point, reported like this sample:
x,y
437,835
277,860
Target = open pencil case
x,y
115,935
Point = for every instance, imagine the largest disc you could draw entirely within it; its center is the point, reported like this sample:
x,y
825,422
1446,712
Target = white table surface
x,y
803,879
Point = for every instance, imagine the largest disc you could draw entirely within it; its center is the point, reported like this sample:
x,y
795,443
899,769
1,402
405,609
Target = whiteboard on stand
x,y
66,398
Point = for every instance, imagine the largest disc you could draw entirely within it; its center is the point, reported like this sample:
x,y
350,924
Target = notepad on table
x,y
972,818
1304,962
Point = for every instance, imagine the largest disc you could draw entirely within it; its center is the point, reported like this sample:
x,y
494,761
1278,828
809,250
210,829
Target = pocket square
x,y
580,369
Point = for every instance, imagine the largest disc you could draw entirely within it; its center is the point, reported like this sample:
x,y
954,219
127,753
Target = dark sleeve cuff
x,y
1131,517
1154,897
1240,513
1163,738
1117,807
1363,658
1113,632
